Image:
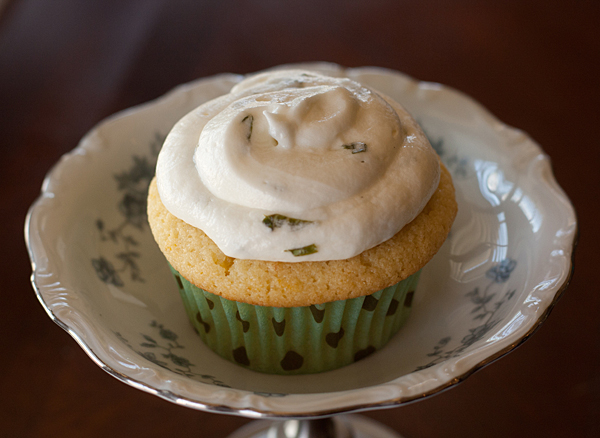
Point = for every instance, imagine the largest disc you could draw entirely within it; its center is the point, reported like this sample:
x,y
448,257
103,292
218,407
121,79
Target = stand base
x,y
344,426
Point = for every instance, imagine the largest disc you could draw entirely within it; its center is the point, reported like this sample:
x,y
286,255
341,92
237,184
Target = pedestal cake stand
x,y
100,276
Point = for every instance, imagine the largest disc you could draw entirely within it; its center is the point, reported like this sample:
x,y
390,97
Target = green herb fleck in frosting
x,y
306,250
278,220
249,120
356,147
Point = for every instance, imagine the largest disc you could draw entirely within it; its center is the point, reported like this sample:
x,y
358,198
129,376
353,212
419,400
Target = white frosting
x,y
342,167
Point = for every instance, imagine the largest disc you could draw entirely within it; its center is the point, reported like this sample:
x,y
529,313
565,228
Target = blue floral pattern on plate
x,y
134,183
485,308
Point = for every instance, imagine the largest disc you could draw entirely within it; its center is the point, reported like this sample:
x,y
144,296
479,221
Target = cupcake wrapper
x,y
297,340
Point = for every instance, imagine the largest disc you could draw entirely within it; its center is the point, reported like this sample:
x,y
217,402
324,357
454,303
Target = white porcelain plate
x,y
100,276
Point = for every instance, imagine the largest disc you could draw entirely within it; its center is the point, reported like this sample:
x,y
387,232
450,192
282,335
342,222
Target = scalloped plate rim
x,y
47,196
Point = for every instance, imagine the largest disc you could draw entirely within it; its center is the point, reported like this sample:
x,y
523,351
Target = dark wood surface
x,y
65,65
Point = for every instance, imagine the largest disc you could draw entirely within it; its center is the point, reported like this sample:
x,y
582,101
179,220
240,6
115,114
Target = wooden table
x,y
65,65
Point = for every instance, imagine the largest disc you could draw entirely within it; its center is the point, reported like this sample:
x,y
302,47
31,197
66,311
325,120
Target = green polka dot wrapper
x,y
297,340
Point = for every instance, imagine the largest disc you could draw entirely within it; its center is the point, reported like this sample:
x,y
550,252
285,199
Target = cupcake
x,y
296,213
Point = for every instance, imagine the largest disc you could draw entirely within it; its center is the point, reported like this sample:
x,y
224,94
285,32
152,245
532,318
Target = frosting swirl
x,y
296,166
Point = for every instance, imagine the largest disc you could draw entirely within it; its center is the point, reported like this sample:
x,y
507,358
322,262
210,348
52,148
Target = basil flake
x,y
356,147
297,252
249,122
278,220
